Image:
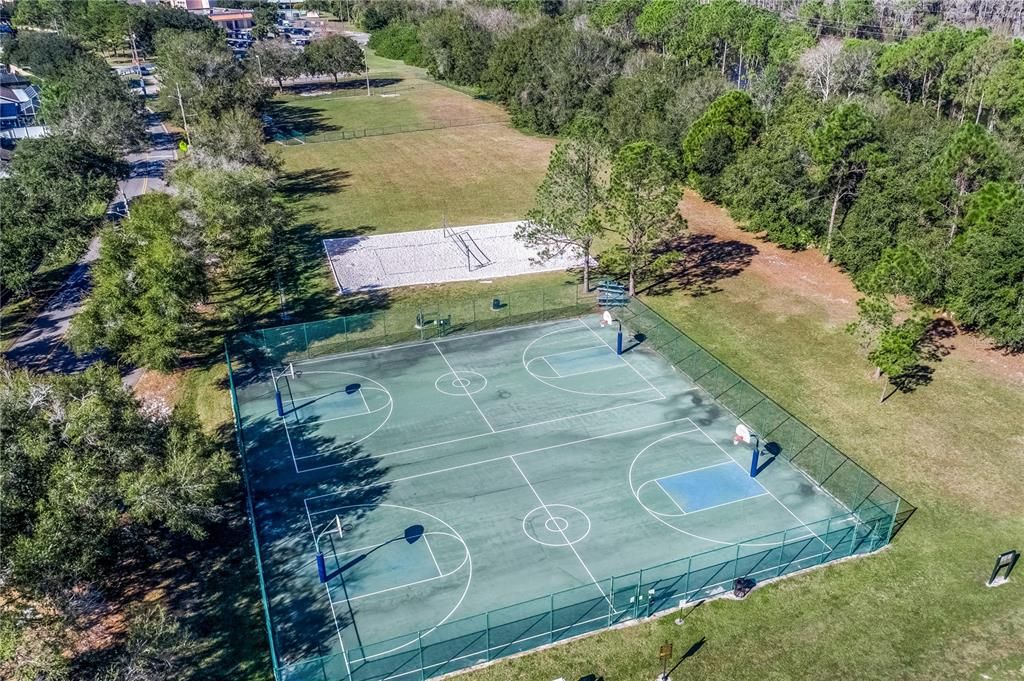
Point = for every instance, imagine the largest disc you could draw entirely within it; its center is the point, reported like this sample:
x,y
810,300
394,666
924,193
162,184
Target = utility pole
x,y
135,58
184,121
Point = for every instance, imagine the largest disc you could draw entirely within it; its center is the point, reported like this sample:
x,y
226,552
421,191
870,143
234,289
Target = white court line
x,y
432,557
364,400
497,458
465,388
624,360
570,352
478,435
562,532
337,627
665,492
417,344
699,468
708,508
590,371
788,510
440,575
550,366
288,437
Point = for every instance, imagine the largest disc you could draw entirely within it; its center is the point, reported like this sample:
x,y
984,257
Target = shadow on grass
x,y
704,260
343,87
292,118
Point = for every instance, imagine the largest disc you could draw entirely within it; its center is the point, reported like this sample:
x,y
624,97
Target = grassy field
x,y
918,610
472,174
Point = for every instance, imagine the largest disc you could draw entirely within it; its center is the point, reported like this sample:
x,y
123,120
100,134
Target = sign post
x,y
664,654
1004,566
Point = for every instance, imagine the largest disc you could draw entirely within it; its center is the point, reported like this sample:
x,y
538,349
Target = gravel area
x,y
433,256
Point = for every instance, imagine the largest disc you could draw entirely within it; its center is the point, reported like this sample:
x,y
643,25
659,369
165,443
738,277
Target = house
x,y
234,20
19,106
192,5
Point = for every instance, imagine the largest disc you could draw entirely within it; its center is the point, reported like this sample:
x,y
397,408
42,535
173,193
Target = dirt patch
x,y
159,392
807,277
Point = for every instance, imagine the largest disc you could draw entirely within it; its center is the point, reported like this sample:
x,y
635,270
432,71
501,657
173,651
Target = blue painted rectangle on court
x,y
333,405
584,360
712,486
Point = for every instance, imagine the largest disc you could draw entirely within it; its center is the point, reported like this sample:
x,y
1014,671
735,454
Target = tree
x,y
277,59
456,47
986,279
146,285
567,213
198,73
729,125
88,101
821,67
43,53
56,193
229,140
842,148
156,647
264,17
236,208
893,348
86,470
334,55
768,186
642,210
970,159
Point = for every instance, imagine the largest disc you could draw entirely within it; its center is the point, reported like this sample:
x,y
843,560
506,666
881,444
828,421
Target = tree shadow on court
x,y
694,405
290,507
704,260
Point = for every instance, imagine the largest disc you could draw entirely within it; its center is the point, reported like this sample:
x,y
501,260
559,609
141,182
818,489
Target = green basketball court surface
x,y
475,495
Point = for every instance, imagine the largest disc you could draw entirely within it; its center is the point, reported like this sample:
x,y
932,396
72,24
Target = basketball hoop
x,y
742,435
607,319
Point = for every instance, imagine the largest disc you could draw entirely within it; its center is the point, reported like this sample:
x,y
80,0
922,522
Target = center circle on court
x,y
460,383
556,525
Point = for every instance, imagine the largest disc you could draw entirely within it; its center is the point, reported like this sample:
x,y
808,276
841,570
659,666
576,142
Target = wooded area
x,y
884,149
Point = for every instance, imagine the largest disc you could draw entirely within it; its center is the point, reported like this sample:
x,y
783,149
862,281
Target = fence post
x,y
551,618
419,645
305,339
487,633
736,564
543,305
611,599
344,331
686,587
384,325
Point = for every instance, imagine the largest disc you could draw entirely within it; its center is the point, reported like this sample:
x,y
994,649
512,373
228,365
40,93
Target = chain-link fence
x,y
875,512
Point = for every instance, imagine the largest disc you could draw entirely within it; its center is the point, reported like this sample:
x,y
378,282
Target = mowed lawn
x,y
483,172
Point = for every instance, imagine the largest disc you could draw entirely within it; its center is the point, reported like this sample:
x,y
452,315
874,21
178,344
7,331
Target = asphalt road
x,y
42,346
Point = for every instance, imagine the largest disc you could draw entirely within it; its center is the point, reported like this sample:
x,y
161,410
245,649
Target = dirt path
x,y
805,275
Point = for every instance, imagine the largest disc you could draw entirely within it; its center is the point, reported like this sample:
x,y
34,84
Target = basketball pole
x,y
755,456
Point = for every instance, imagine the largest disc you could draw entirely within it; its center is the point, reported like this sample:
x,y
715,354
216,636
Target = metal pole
x,y
184,121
